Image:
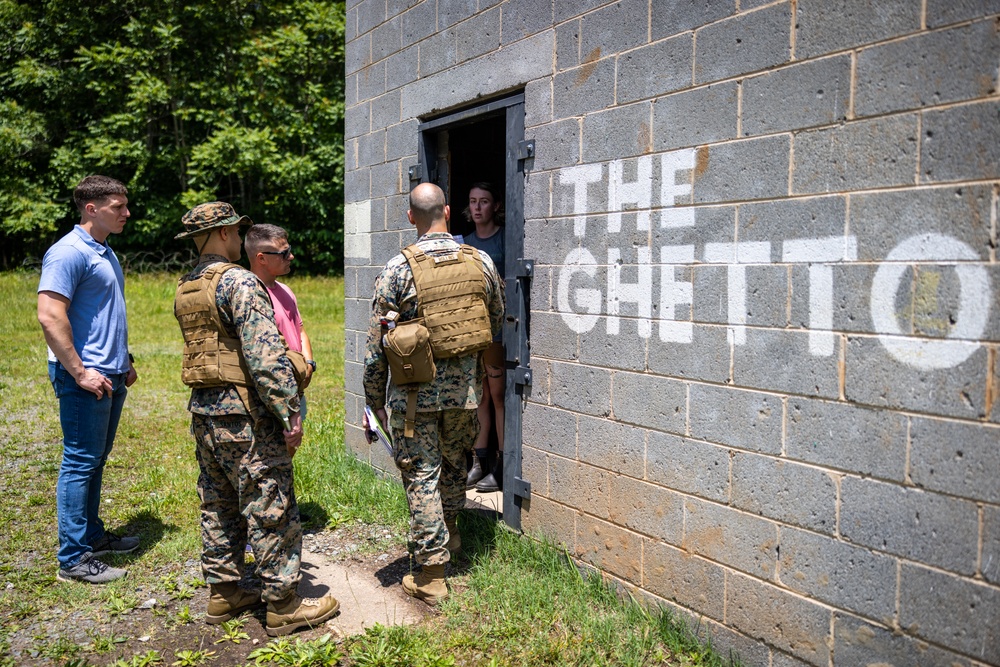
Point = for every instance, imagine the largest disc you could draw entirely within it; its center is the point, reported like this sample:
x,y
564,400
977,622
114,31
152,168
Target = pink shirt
x,y
286,315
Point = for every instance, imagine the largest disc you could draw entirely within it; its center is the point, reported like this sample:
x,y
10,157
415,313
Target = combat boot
x,y
228,600
454,544
428,586
292,613
478,470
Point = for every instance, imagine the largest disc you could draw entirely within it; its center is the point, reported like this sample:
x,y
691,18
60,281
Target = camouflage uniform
x,y
432,462
245,483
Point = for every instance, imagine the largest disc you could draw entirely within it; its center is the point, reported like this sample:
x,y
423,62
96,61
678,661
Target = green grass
x,y
517,601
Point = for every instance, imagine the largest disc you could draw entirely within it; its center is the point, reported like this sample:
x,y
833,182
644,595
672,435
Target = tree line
x,y
185,102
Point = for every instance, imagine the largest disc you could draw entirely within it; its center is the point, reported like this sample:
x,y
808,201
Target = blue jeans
x,y
88,427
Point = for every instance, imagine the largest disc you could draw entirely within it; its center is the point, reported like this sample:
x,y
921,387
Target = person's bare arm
x,y
53,315
307,349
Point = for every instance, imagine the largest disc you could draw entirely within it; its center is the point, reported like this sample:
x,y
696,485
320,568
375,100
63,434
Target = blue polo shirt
x,y
88,274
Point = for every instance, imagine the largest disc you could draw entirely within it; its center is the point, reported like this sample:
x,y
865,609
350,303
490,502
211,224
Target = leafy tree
x,y
185,101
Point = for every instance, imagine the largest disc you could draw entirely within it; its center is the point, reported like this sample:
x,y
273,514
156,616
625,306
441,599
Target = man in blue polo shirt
x,y
81,307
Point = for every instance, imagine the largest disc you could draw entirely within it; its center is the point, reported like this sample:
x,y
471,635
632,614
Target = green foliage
x,y
320,652
185,102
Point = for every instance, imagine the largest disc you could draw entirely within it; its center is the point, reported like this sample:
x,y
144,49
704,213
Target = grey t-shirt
x,y
492,246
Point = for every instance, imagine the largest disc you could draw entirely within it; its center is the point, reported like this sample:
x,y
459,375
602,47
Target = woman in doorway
x,y
485,210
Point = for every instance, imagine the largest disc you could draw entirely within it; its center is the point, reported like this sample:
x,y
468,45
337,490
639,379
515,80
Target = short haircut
x,y
427,203
96,187
259,235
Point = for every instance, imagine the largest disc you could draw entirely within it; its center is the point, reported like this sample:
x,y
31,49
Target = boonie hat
x,y
205,217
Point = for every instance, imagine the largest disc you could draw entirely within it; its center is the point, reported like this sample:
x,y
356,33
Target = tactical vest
x,y
452,320
212,358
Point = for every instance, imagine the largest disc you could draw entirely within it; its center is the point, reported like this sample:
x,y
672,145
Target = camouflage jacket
x,y
458,383
246,313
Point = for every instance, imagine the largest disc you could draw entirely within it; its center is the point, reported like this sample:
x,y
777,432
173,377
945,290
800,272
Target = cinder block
x,y
437,52
357,120
875,377
928,70
371,148
728,642
785,491
784,620
541,291
568,45
538,197
552,338
478,35
580,486
614,28
599,348
395,215
386,39
371,81
557,144
990,558
780,221
401,141
357,185
350,24
550,430
845,437
730,537
741,419
357,54
779,360
767,295
522,18
620,132
351,282
353,351
840,574
649,401
695,117
689,466
386,180
712,224
385,111
856,641
351,89
671,17
537,392
401,68
862,154
565,184
647,508
618,448
581,389
705,358
944,12
451,12
538,109
385,246
685,579
397,7
418,23
917,525
609,548
567,9
353,377
951,611
823,26
851,300
357,312
882,221
584,89
748,169
550,240
370,14
961,143
535,470
551,520
960,459
742,44
657,69
798,96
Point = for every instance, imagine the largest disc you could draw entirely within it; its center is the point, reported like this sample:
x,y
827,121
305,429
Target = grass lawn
x,y
519,602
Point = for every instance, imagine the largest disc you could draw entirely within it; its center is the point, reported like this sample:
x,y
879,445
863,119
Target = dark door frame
x,y
518,272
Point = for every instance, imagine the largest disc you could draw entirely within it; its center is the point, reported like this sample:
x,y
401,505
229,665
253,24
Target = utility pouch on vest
x,y
300,369
408,350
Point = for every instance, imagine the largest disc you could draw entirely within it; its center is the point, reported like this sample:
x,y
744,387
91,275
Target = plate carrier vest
x,y
451,305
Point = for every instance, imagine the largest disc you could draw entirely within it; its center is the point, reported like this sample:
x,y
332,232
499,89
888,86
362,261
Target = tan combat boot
x,y
428,586
228,600
454,543
292,613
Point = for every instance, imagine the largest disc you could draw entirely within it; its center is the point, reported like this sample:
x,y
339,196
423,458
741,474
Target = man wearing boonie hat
x,y
245,418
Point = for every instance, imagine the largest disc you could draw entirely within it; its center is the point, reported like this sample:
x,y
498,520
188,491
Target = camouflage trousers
x,y
246,492
432,466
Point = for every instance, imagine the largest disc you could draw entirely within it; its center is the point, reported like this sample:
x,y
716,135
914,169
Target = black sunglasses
x,y
283,253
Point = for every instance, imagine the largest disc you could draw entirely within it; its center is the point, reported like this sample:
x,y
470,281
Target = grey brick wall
x,y
786,429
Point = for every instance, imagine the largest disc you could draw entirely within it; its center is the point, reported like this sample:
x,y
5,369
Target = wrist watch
x,y
312,363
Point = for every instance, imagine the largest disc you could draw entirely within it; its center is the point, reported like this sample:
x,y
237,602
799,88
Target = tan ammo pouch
x,y
408,349
300,369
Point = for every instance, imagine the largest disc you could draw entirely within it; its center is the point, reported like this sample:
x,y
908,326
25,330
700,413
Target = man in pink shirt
x,y
271,256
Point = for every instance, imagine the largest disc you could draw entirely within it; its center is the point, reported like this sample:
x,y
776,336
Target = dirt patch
x,y
361,565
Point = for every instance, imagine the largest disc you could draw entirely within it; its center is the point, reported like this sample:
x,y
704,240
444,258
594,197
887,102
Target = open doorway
x,y
485,143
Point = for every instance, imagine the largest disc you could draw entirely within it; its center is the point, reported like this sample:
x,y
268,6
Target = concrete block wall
x,y
765,319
